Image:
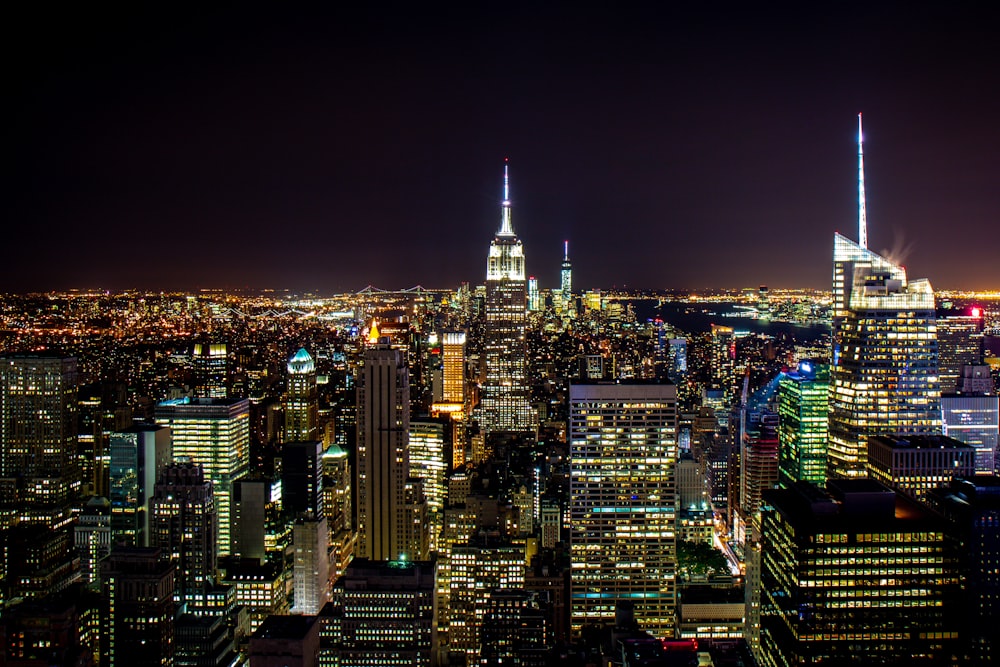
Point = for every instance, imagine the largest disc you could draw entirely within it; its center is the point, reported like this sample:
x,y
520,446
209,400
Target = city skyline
x,y
244,148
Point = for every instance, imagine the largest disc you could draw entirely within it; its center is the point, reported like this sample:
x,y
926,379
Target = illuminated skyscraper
x,y
211,367
302,403
535,299
975,420
623,451
566,274
383,454
38,437
960,344
216,434
453,367
803,431
884,377
917,464
428,464
505,404
338,507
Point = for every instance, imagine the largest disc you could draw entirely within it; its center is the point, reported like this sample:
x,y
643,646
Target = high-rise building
x,y
506,399
139,587
623,451
567,307
488,562
92,537
251,505
311,569
211,369
916,464
382,454
337,506
183,523
214,433
302,477
884,376
975,420
453,367
723,360
138,456
803,431
855,575
38,437
960,344
536,301
428,464
972,507
302,402
384,613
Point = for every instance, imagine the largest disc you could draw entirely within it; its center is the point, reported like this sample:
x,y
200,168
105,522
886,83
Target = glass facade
x,y
803,432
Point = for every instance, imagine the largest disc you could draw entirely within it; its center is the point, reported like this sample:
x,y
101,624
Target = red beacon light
x,y
977,312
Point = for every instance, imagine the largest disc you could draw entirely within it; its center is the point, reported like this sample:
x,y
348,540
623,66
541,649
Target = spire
x,y
506,229
565,251
862,218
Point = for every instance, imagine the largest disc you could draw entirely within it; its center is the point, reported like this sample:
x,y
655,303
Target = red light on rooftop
x,y
977,312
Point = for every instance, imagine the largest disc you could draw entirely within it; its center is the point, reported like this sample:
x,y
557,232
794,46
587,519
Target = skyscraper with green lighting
x,y
803,430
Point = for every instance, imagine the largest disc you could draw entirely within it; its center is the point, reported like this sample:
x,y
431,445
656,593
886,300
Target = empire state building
x,y
505,404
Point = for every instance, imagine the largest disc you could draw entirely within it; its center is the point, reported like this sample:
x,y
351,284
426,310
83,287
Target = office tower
x,y
453,367
975,420
38,474
678,359
915,464
311,569
211,370
723,360
139,587
506,400
337,507
386,614
428,464
803,431
214,433
302,402
855,575
92,537
48,631
488,562
763,303
302,478
515,630
101,410
138,456
183,523
623,452
203,639
884,377
976,379
286,641
536,302
756,467
960,343
972,507
382,453
251,505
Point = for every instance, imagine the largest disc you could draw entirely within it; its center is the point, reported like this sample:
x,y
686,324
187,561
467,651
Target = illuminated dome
x,y
301,363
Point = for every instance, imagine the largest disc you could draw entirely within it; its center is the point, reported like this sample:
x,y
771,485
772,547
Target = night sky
x,y
175,148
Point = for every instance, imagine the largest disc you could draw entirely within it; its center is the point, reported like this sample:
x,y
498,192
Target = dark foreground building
x,y
854,575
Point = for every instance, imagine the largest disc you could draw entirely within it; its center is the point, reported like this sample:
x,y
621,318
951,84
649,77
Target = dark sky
x,y
173,147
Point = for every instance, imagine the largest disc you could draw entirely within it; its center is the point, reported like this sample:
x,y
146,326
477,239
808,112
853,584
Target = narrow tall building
x,y
383,463
505,404
884,376
138,455
302,403
216,434
623,450
803,430
38,437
